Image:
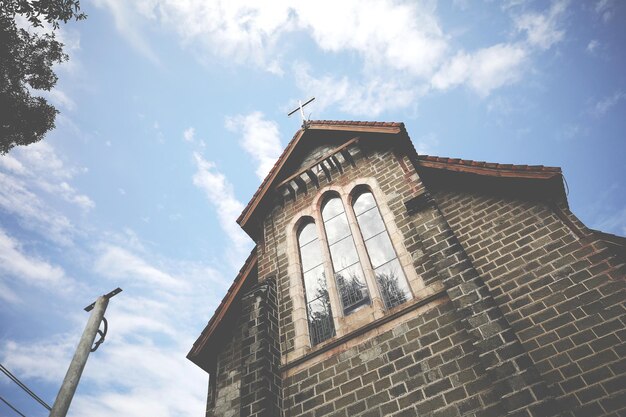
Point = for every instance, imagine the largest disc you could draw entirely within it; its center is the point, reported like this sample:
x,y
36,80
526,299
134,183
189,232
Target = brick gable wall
x,y
528,320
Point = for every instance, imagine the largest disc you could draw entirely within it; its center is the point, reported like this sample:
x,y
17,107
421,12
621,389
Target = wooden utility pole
x,y
72,377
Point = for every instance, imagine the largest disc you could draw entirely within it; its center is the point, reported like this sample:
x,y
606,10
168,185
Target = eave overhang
x,y
207,341
535,181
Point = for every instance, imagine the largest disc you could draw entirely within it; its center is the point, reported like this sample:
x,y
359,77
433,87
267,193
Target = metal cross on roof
x,y
300,106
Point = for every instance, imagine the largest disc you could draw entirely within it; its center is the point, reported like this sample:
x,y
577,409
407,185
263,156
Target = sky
x,y
173,111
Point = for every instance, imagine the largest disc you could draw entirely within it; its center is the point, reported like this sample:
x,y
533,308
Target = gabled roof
x,y
312,125
489,168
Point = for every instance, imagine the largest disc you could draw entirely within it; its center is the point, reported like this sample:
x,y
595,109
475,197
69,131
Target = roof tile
x,y
460,163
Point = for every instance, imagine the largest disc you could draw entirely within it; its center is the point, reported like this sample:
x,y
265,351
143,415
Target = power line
x,y
12,408
24,387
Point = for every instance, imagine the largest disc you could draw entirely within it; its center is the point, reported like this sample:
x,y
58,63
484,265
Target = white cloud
x,y
59,98
118,264
601,107
592,46
9,163
403,36
17,266
543,30
127,22
219,191
369,97
130,375
46,170
427,144
604,8
188,134
484,70
260,138
31,178
384,32
25,359
571,131
155,381
34,214
612,223
140,369
400,45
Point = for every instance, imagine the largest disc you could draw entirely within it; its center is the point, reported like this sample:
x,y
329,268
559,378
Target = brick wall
x,y
224,398
248,378
561,289
426,366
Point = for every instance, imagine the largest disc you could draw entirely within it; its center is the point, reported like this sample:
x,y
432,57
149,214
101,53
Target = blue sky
x,y
173,111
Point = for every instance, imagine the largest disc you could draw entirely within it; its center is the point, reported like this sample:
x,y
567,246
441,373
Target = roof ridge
x,y
356,123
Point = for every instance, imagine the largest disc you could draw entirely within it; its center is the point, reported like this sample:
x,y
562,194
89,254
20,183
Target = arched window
x,y
344,233
319,313
390,278
349,277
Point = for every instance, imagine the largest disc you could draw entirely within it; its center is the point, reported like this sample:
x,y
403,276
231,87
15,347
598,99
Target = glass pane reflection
x,y
352,288
392,284
337,228
311,255
370,223
380,249
344,253
307,234
332,208
363,203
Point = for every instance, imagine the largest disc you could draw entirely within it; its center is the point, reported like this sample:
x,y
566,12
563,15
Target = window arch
x,y
390,278
319,311
348,272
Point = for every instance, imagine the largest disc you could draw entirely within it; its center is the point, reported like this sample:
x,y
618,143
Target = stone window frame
x,y
366,314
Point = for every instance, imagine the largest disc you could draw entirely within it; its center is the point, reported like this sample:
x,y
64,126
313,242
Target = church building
x,y
388,283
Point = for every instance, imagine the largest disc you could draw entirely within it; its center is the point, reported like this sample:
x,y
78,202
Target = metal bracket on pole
x,y
107,296
102,332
